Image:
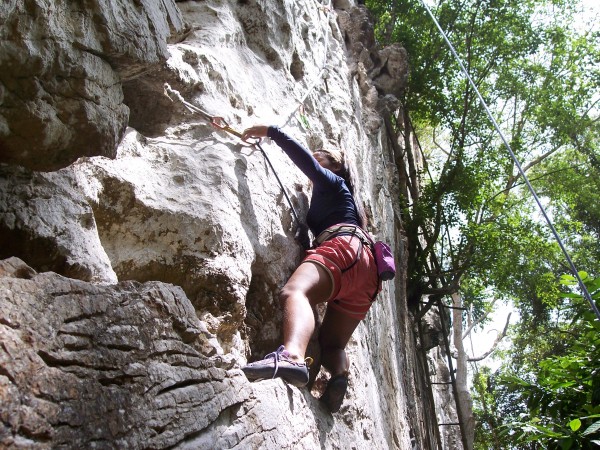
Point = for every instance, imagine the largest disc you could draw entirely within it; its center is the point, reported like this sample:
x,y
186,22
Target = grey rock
x,y
62,64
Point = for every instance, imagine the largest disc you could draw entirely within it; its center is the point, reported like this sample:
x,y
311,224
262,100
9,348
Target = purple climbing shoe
x,y
278,364
335,392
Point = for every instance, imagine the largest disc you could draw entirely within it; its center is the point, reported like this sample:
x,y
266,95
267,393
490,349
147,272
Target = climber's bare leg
x,y
309,285
335,332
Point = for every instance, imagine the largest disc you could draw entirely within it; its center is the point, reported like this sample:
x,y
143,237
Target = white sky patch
x,y
482,341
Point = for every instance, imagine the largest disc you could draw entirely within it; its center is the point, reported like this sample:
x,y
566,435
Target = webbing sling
x,y
221,124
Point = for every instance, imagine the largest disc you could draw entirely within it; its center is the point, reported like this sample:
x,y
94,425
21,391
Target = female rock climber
x,y
340,270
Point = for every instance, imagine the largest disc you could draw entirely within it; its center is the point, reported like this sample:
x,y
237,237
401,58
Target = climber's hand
x,y
257,131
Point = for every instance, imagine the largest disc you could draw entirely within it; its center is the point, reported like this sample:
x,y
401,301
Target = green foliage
x,y
475,227
560,393
486,411
538,76
574,184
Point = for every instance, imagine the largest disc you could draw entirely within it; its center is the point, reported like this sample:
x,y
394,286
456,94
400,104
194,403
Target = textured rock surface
x,y
145,280
45,219
62,67
121,366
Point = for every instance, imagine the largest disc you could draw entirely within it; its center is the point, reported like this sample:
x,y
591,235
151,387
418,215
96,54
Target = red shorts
x,y
354,290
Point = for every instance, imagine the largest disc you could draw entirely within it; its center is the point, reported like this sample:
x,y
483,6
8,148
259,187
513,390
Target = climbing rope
x,y
323,71
221,124
574,270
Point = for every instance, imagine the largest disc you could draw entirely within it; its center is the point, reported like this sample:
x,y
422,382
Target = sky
x,y
482,340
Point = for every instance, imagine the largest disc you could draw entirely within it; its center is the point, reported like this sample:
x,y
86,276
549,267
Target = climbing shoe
x,y
279,364
335,392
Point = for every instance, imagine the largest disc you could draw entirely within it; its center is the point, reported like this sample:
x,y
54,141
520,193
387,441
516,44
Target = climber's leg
x,y
309,285
335,332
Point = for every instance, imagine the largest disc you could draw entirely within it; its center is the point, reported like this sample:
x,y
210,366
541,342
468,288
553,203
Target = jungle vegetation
x,y
473,226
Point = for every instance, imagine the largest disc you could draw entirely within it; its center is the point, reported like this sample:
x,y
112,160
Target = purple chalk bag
x,y
385,261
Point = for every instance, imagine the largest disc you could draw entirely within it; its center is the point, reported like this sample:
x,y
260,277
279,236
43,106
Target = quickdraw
x,y
221,124
215,121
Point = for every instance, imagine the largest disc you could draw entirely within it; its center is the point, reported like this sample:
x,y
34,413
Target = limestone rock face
x,y
45,219
392,74
143,271
63,63
114,366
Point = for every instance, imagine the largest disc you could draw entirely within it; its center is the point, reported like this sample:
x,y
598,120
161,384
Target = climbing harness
x,y
221,124
384,259
574,270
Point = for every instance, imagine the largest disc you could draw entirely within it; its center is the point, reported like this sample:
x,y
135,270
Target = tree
x,y
557,388
473,230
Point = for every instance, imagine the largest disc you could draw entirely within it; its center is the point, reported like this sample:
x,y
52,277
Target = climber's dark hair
x,y
349,174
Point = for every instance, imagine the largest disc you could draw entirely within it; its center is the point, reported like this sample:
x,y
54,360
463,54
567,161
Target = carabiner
x,y
221,124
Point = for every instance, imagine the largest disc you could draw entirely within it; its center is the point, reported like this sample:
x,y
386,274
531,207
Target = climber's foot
x,y
278,364
335,392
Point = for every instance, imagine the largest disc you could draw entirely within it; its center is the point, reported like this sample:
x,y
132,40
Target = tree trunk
x,y
464,396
